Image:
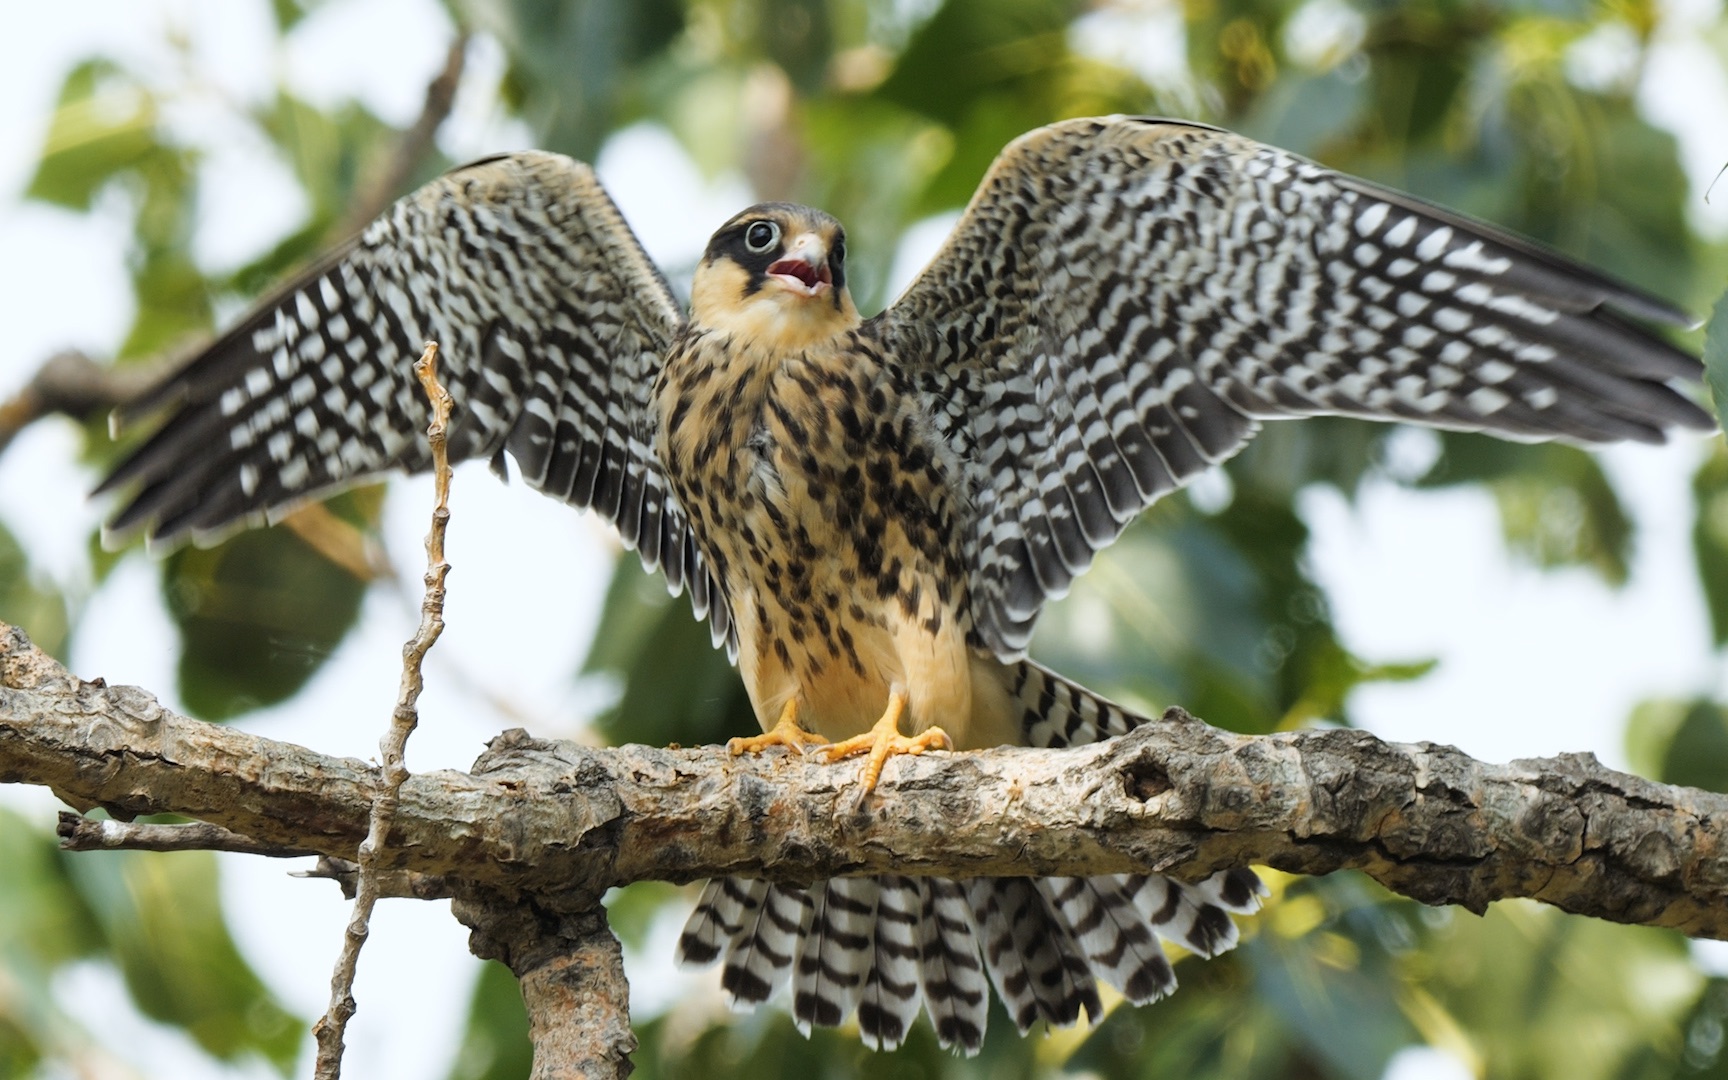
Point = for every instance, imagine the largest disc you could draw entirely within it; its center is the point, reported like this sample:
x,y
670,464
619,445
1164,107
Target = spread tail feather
x,y
880,947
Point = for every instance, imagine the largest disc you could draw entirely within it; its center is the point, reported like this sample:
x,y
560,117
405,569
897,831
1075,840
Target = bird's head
x,y
775,274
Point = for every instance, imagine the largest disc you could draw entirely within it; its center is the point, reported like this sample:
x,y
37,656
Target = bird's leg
x,y
885,740
786,733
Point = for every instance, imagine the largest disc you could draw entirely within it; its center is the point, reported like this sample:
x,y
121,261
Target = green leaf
x,y
635,602
258,616
574,66
103,124
29,602
1649,732
495,1046
679,689
173,301
1680,742
1340,1012
764,1045
1698,755
1548,996
162,919
1703,1038
42,914
1710,537
1215,1027
630,911
799,36
288,13
105,128
1716,353
328,152
973,51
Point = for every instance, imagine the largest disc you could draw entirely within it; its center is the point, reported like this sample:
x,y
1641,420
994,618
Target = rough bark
x,y
572,973
554,818
529,840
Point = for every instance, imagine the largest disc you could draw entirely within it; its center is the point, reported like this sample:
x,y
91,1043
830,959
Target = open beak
x,y
804,270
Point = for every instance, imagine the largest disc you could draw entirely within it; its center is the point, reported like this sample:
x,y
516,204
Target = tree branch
x,y
79,833
399,884
572,973
556,819
383,185
71,384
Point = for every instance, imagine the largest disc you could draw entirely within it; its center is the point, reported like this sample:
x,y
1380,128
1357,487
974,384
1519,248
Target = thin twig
x,y
403,884
381,187
329,1030
71,384
79,833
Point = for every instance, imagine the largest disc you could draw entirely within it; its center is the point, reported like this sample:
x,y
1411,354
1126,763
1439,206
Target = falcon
x,y
871,513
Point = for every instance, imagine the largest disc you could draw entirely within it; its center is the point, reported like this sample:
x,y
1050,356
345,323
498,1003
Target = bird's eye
x,y
761,235
839,253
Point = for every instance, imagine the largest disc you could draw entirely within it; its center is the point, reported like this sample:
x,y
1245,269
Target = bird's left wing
x,y
1125,299
552,324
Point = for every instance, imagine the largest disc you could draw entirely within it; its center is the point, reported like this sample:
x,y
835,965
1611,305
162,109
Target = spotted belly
x,y
840,645
824,507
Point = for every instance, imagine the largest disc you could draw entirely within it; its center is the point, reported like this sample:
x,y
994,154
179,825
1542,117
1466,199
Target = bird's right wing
x,y
552,324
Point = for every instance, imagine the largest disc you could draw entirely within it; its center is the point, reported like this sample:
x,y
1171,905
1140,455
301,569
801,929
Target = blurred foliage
x,y
1710,535
259,614
495,1045
157,920
1680,742
1716,353
887,112
1556,506
27,600
107,130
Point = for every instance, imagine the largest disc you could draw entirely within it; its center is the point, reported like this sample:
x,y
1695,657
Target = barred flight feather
x,y
890,999
551,322
759,957
1182,285
835,954
719,917
950,971
871,945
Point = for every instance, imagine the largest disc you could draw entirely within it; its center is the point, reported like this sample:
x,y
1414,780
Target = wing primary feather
x,y
552,323
1559,275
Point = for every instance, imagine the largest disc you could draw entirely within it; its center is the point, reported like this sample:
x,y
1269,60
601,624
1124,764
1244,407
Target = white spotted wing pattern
x,y
1125,300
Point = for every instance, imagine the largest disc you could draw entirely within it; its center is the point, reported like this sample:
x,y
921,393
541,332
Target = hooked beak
x,y
804,270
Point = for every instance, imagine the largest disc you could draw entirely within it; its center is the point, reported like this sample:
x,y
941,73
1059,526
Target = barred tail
x,y
883,946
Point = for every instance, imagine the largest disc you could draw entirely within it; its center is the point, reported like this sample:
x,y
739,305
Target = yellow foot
x,y
885,740
786,733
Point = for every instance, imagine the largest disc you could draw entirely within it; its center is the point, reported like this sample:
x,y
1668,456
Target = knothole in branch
x,y
1145,779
